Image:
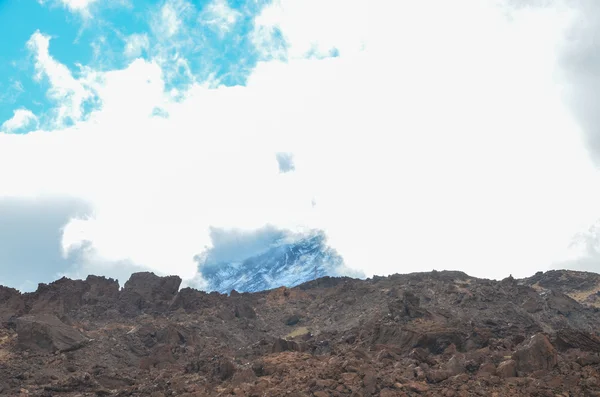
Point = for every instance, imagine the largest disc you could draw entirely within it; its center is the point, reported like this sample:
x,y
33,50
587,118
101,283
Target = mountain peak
x,y
286,259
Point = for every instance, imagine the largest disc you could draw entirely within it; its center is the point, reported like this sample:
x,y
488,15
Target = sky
x,y
417,135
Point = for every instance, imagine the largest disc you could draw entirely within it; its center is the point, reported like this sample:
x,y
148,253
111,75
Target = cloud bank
x,y
429,140
31,235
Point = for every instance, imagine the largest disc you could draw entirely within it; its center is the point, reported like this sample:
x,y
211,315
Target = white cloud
x,y
21,119
319,26
83,7
135,44
76,6
219,15
68,92
435,140
169,20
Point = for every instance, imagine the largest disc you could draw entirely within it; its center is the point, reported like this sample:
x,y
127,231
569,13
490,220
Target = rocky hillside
x,y
426,334
584,287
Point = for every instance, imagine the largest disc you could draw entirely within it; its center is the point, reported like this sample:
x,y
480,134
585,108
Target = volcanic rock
x,y
575,339
430,334
507,369
538,354
146,291
47,333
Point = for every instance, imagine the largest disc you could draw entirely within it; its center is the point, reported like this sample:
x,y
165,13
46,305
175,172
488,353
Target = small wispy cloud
x,y
21,119
85,8
135,44
169,21
18,86
285,162
68,92
81,7
9,94
219,15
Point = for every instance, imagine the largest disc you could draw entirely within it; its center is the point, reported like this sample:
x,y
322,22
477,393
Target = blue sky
x,y
461,138
98,37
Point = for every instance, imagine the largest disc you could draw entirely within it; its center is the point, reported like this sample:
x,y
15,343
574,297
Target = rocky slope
x,y
581,286
425,334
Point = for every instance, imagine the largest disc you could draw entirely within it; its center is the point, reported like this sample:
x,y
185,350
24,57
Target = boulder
x,y
244,310
574,339
532,305
160,357
507,369
47,333
436,342
225,369
486,370
422,356
292,319
147,292
538,354
438,375
283,345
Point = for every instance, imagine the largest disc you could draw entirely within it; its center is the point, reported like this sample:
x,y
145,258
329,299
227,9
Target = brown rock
x,y
326,383
283,345
486,370
587,358
146,291
591,382
390,393
438,375
226,369
244,310
507,369
417,387
11,303
456,365
370,383
532,305
48,333
537,354
349,378
574,339
244,376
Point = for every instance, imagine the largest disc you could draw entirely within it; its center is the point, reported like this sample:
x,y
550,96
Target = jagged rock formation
x,y
423,334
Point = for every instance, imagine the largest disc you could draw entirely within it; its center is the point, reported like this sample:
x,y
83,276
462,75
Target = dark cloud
x,y
30,239
285,161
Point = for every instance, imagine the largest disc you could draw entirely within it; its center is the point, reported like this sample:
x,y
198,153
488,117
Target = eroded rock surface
x,y
423,334
45,332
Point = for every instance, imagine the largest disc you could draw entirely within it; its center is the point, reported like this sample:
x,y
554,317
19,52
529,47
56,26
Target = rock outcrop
x,y
147,292
47,333
537,354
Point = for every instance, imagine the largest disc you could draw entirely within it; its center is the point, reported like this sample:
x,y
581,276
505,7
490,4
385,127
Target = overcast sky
x,y
417,135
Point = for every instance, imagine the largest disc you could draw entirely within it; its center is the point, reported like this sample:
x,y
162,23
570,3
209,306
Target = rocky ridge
x,y
422,334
